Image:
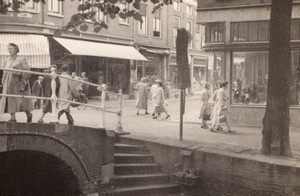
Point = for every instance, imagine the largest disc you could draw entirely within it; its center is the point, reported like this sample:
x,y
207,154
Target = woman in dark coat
x,y
17,84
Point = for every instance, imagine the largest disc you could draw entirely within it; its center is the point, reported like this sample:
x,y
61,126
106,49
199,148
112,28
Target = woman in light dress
x,y
160,105
220,111
204,107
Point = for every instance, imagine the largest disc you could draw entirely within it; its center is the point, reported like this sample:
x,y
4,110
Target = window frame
x,y
157,19
189,12
52,13
175,28
35,10
177,6
208,33
190,45
126,6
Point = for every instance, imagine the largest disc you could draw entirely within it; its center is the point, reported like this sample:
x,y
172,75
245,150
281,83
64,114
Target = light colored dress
x,y
220,103
153,95
11,85
142,99
161,102
204,107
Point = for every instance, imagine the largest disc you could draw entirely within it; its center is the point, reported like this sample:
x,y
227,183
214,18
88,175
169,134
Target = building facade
x,y
153,39
237,43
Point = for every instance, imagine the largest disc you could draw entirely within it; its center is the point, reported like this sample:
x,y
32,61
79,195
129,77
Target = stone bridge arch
x,y
87,151
49,145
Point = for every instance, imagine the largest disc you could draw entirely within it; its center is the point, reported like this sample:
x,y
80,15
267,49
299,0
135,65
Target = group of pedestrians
x,y
17,83
219,113
155,94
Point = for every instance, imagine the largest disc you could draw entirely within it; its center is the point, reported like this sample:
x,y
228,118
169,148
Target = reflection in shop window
x,y
199,73
249,77
216,70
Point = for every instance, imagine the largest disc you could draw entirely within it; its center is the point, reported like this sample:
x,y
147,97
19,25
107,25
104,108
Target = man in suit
x,y
37,90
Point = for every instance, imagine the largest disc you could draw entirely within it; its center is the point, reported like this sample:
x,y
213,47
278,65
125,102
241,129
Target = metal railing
x,y
54,99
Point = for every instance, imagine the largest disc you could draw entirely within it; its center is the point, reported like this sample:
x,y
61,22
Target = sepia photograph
x,y
149,97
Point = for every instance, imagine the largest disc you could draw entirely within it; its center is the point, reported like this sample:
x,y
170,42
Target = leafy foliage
x,y
87,11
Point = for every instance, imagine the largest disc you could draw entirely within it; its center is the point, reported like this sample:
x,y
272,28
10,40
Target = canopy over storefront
x,y
88,48
35,48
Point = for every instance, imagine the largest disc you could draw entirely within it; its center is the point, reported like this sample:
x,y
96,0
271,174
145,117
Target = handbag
x,y
23,85
206,116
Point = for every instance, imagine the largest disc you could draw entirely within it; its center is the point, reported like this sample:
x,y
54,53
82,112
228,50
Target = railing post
x,y
103,106
53,95
119,127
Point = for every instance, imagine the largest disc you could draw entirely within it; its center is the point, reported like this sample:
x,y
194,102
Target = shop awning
x,y
87,48
35,48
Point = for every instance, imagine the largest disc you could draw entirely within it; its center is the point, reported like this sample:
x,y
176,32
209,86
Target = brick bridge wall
x,y
87,151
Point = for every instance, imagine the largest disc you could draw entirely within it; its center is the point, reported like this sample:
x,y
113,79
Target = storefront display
x,y
216,70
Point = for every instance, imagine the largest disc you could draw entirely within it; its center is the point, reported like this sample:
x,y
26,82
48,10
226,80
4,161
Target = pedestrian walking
x,y
160,102
67,91
17,84
47,92
37,90
205,111
153,95
220,111
142,98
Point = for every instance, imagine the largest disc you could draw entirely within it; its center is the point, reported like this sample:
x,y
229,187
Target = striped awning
x,y
35,48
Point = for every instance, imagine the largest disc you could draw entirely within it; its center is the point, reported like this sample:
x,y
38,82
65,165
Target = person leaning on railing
x,y
17,84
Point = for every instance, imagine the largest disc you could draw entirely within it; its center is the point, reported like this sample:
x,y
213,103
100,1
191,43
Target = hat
x,y
40,77
157,80
53,65
143,79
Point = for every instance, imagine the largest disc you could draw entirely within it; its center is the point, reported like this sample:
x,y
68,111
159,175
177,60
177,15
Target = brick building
x,y
153,39
236,42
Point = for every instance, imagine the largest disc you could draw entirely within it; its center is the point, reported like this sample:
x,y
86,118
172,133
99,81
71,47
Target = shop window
x,y
199,73
123,6
249,77
250,31
100,16
216,70
176,6
142,26
157,24
214,33
175,28
55,7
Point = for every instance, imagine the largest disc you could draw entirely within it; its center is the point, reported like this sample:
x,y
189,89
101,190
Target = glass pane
x,y
295,27
220,32
216,70
243,31
253,31
295,81
263,31
199,77
249,77
234,32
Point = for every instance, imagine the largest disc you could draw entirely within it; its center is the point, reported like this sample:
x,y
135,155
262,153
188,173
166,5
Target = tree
x,y
275,140
87,11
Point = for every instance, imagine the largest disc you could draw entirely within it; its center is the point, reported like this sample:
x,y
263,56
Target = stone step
x,y
137,168
147,190
141,179
133,158
131,149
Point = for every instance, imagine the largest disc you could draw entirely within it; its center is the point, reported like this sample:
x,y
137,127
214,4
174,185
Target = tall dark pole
x,y
182,41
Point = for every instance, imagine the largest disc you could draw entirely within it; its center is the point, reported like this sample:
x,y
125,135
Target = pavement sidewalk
x,y
245,140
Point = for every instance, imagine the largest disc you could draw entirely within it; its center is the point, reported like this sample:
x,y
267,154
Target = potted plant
x,y
188,177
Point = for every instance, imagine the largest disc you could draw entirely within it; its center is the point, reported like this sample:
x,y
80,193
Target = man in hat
x,y
47,91
37,90
142,98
